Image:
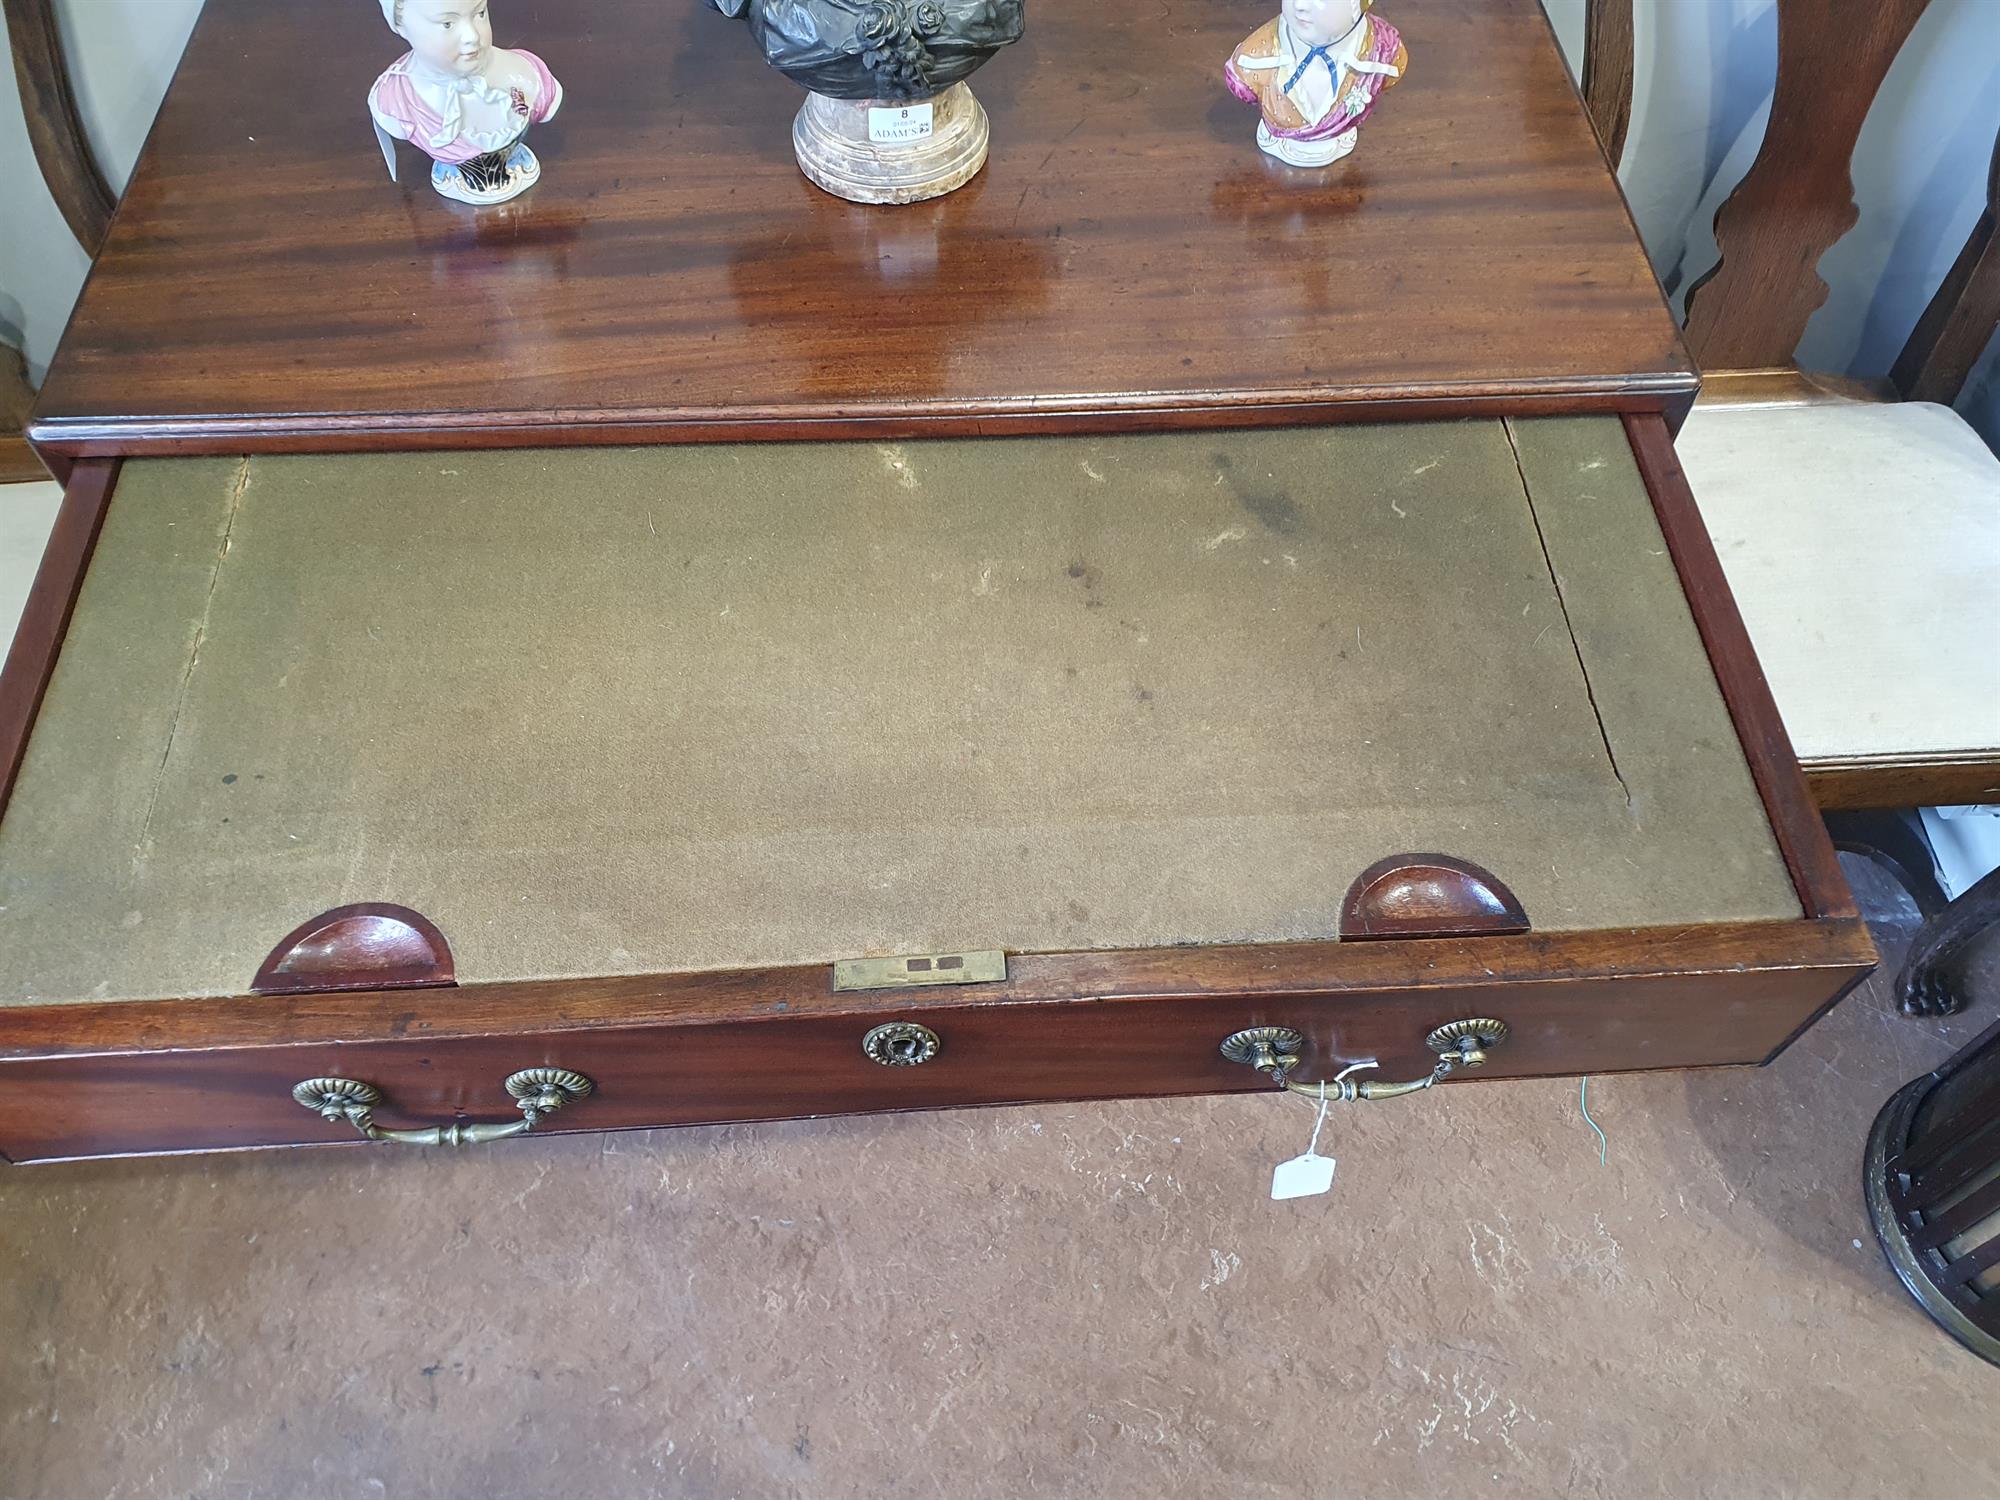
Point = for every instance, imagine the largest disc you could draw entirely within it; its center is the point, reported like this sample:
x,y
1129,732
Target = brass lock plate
x,y
920,971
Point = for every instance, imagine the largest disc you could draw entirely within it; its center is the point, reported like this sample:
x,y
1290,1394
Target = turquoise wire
x,y
1583,1103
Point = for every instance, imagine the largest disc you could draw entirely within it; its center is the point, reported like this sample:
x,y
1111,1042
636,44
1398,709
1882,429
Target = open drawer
x,y
603,761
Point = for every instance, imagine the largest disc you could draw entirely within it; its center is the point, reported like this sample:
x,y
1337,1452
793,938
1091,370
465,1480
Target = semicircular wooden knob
x,y
1429,895
365,947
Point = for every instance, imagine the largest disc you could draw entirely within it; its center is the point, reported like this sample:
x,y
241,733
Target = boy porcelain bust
x,y
462,101
1316,72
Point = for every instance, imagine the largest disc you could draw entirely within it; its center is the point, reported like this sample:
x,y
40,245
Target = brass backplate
x,y
920,971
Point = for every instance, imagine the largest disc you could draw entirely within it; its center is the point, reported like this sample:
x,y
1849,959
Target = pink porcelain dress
x,y
471,128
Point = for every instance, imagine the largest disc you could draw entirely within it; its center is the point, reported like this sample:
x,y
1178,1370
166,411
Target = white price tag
x,y
1302,1177
1312,1174
901,124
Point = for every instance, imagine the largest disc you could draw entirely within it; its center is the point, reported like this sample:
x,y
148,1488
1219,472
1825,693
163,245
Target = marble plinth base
x,y
847,146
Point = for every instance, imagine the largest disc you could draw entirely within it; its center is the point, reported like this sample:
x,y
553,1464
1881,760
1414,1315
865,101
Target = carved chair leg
x,y
1894,841
1933,979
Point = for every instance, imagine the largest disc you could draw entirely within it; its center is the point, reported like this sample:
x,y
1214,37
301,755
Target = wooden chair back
x,y
62,151
1797,200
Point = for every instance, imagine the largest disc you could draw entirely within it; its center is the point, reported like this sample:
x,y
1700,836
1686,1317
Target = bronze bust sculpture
x,y
888,118
878,49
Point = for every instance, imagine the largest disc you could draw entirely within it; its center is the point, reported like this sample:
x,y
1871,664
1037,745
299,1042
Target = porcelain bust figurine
x,y
1316,73
462,101
889,118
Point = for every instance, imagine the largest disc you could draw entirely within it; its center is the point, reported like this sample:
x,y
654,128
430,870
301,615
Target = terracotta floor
x,y
1097,1300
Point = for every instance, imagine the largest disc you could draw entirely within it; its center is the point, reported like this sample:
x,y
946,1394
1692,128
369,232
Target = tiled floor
x,y
1081,1301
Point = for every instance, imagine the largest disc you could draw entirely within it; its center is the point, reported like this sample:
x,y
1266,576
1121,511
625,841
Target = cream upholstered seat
x,y
27,512
1862,542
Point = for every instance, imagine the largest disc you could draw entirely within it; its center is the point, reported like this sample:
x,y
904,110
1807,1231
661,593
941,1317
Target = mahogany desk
x,y
649,596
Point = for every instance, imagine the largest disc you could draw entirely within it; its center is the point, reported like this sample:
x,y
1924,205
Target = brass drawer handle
x,y
539,1091
1276,1050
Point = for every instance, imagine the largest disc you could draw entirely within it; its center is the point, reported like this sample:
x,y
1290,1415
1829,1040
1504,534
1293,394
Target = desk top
x,y
1127,259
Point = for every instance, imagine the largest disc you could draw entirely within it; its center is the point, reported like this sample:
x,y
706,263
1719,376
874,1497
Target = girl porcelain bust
x,y
462,101
1315,73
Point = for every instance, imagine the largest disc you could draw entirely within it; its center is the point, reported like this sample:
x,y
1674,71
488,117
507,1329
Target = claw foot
x,y
1933,979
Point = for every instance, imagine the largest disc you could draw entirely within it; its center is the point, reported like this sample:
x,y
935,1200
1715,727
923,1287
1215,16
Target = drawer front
x,y
799,1066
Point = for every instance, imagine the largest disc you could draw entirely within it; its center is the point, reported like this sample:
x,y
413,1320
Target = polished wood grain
x,y
1924,780
1959,322
1795,819
1608,60
1428,895
17,460
1725,390
16,394
1039,981
207,1075
227,435
1798,199
368,946
1127,258
31,660
55,129
18,463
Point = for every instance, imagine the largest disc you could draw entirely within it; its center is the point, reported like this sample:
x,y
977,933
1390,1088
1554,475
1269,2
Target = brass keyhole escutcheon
x,y
901,1044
